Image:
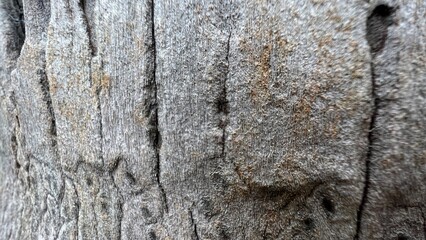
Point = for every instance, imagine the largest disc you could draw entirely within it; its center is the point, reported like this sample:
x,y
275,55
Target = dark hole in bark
x,y
402,236
152,236
328,205
131,178
114,163
89,181
146,213
377,27
104,207
268,192
223,234
383,10
309,223
14,142
222,105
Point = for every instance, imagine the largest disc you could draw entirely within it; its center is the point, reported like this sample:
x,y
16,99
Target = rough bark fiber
x,y
212,119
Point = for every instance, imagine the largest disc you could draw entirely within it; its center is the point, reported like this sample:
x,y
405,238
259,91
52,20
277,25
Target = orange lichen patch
x,y
387,163
245,173
100,80
347,27
304,122
302,109
139,114
333,16
260,88
105,81
318,1
333,127
53,85
357,72
66,111
327,40
420,160
284,46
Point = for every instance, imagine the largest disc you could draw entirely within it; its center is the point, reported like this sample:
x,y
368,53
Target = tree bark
x,y
212,119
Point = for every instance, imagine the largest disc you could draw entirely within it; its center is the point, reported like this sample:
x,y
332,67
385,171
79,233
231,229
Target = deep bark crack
x,y
369,155
377,31
154,111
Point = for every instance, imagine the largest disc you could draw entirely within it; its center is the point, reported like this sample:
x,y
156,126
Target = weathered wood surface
x,y
212,119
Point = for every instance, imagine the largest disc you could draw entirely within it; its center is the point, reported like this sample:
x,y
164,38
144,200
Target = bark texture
x,y
212,119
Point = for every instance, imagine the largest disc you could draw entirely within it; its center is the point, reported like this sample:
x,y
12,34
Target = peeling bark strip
x,y
377,27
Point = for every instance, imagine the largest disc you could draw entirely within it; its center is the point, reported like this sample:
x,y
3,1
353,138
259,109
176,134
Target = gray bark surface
x,y
212,119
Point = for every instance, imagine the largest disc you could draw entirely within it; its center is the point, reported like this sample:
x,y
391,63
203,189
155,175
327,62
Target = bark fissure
x,y
16,16
264,235
120,195
82,5
77,205
424,221
47,98
367,163
223,98
120,218
93,53
14,136
377,30
194,225
157,134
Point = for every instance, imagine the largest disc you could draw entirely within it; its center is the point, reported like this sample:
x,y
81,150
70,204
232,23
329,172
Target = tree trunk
x,y
212,119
